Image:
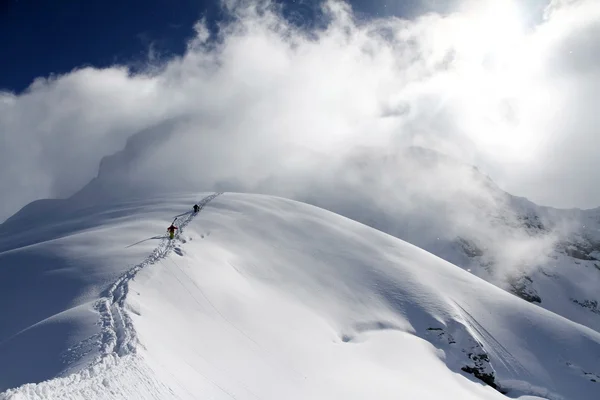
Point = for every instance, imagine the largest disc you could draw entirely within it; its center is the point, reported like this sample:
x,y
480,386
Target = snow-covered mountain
x,y
260,297
449,208
268,298
547,256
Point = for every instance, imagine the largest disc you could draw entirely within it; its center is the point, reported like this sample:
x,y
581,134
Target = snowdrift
x,y
262,298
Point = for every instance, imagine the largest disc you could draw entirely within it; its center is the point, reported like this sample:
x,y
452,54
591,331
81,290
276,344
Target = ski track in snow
x,y
124,367
497,350
118,335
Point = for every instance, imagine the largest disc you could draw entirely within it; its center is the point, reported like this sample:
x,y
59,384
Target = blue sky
x,y
53,37
56,36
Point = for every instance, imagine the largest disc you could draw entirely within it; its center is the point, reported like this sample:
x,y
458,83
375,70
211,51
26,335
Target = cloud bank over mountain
x,y
271,106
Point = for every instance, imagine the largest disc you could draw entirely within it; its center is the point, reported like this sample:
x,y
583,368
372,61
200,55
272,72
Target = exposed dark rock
x,y
592,305
591,376
442,335
470,248
581,248
521,287
549,275
577,253
474,358
489,379
479,370
532,222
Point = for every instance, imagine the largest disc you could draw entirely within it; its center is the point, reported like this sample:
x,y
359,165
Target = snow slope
x,y
547,256
262,298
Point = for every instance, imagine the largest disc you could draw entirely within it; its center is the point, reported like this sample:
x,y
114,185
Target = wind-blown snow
x,y
262,298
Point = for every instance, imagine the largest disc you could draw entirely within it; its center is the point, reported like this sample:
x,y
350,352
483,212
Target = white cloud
x,y
268,102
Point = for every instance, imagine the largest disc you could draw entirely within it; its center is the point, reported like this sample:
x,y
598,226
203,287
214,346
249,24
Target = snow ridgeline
x,y
266,298
118,340
118,332
285,300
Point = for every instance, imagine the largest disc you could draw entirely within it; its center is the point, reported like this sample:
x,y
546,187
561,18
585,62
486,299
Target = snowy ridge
x,y
267,298
118,333
118,339
288,276
547,256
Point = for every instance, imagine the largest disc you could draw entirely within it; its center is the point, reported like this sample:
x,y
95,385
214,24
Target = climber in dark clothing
x,y
171,230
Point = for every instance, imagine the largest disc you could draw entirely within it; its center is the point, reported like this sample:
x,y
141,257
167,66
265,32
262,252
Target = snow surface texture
x,y
263,298
546,256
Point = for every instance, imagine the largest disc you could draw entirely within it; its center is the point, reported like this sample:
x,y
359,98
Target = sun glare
x,y
490,43
494,29
501,26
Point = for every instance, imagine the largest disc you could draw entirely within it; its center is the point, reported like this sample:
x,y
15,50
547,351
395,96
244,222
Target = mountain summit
x,y
262,297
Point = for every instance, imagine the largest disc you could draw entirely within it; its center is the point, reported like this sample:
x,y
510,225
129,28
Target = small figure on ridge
x,y
171,230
